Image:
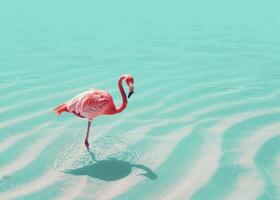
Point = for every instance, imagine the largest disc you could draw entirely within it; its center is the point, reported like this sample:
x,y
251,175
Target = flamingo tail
x,y
61,108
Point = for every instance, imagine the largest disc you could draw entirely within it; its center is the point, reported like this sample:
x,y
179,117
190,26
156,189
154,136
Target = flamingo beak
x,y
129,94
131,91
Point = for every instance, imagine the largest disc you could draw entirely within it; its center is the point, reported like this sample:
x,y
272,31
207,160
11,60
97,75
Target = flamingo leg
x,y
87,135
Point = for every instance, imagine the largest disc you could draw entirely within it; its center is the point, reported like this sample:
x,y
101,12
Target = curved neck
x,y
124,104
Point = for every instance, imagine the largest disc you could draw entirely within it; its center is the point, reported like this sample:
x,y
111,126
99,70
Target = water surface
x,y
203,122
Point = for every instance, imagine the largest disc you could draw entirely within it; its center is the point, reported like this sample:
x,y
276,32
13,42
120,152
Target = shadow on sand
x,y
110,170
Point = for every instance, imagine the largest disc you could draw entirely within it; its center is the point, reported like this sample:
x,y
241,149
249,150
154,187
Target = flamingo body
x,y
89,104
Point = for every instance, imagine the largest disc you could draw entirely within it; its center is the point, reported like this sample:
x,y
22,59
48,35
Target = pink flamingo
x,y
96,102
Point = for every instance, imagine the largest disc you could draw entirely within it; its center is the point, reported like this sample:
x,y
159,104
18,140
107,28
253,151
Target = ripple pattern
x,y
203,123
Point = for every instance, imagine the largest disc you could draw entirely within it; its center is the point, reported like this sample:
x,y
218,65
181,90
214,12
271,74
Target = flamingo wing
x,y
95,101
90,103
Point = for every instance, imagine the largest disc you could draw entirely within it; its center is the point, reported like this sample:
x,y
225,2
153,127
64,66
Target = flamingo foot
x,y
87,144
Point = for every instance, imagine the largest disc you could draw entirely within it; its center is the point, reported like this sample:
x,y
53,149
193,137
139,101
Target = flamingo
x,y
95,102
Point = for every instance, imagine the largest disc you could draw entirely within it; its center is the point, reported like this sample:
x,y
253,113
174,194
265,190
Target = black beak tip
x,y
129,94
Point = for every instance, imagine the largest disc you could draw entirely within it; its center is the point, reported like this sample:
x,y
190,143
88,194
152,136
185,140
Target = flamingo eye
x,y
129,80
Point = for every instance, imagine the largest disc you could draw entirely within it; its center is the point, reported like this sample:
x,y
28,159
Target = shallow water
x,y
203,122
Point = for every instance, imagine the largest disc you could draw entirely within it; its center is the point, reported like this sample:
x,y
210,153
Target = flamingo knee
x,y
87,144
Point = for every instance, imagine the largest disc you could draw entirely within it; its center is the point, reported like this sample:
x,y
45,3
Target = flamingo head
x,y
130,83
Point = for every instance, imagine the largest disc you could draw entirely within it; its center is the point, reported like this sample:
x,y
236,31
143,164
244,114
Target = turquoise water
x,y
204,120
